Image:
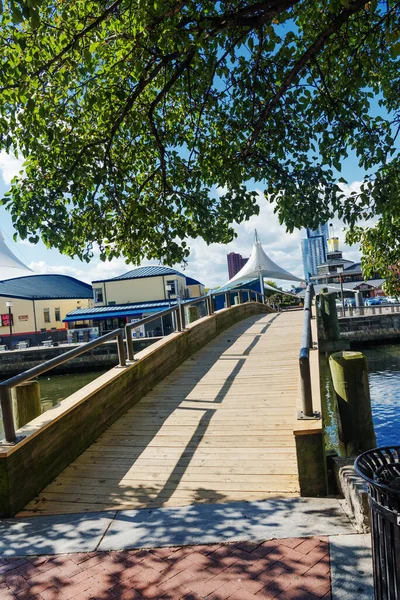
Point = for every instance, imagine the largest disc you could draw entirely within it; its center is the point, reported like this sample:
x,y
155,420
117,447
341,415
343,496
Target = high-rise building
x,y
314,249
235,263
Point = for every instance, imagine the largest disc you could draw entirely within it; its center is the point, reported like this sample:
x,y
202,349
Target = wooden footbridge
x,y
219,427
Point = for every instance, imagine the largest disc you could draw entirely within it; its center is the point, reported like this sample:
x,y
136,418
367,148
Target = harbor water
x,y
384,381
54,388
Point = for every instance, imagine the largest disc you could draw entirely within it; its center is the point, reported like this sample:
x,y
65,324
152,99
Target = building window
x,y
98,294
57,314
171,286
46,315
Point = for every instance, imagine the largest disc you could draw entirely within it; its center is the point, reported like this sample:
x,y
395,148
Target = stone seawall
x,y
370,328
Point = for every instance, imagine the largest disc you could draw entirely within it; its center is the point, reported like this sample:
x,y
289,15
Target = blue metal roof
x,y
124,310
142,272
191,281
110,315
151,271
45,287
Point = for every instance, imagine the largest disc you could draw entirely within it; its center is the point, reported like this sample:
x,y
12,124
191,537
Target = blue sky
x,y
206,263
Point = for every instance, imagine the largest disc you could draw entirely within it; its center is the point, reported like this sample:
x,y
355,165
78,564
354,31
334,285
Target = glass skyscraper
x,y
314,249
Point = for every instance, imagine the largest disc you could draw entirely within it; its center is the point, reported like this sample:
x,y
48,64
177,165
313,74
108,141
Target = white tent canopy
x,y
260,265
10,266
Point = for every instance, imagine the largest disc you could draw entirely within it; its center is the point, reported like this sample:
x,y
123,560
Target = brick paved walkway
x,y
286,569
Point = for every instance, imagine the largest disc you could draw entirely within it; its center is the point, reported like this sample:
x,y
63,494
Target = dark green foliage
x,y
129,113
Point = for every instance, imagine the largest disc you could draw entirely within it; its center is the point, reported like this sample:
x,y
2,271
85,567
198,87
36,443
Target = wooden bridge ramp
x,y
219,428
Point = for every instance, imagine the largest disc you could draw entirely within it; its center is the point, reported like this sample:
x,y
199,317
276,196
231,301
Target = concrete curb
x,y
189,525
351,567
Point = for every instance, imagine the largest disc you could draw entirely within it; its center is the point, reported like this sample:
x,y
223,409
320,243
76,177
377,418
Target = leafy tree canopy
x,y
129,113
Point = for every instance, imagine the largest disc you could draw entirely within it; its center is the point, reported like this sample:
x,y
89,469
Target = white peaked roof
x,y
10,265
260,264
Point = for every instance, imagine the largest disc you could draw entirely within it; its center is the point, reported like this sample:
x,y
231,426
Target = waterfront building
x,y
134,295
236,262
336,271
314,250
32,306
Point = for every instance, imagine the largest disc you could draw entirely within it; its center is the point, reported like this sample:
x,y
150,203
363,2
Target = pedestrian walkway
x,y
219,428
287,569
288,548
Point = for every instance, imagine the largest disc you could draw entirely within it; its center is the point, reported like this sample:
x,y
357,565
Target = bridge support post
x,y
121,350
350,382
7,413
26,401
129,344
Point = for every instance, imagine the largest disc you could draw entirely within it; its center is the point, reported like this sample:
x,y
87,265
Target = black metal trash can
x,y
381,469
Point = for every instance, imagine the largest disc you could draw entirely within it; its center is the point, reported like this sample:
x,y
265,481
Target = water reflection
x,y
54,388
384,381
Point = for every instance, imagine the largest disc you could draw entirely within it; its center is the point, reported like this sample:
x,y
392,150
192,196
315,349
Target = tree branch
x,y
314,49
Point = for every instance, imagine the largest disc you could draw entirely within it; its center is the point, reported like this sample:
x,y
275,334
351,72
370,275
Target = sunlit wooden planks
x,y
219,428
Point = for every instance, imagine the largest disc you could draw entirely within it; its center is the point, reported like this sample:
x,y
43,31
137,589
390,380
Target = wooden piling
x,y
329,316
350,381
26,402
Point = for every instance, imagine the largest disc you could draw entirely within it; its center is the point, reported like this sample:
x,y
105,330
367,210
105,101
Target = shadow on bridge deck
x,y
219,428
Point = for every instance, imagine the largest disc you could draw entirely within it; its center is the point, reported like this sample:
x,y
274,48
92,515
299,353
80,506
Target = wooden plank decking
x,y
219,428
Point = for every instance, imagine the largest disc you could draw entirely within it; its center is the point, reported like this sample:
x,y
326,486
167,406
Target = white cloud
x,y
209,263
10,166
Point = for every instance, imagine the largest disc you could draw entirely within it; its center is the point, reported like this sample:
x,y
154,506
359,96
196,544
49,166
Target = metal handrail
x,y
179,309
304,359
5,386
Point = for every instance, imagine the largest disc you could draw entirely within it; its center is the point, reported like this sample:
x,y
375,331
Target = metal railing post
x,y
240,297
121,350
212,303
181,309
129,344
178,319
8,419
228,299
305,386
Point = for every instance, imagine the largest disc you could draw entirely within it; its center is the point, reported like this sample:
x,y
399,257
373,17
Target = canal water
x,y
54,388
384,381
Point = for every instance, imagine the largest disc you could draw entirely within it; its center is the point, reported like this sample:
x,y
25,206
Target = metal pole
x,y
121,350
306,390
34,319
8,420
261,284
181,309
177,320
240,297
129,343
10,324
341,292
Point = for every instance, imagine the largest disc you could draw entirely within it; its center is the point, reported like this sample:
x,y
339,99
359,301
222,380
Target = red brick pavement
x,y
286,569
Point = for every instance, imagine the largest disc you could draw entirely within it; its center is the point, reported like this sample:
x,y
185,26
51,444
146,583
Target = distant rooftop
x,y
355,267
45,287
151,271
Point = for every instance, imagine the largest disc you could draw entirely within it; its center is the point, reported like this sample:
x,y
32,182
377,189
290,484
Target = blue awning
x,y
110,315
